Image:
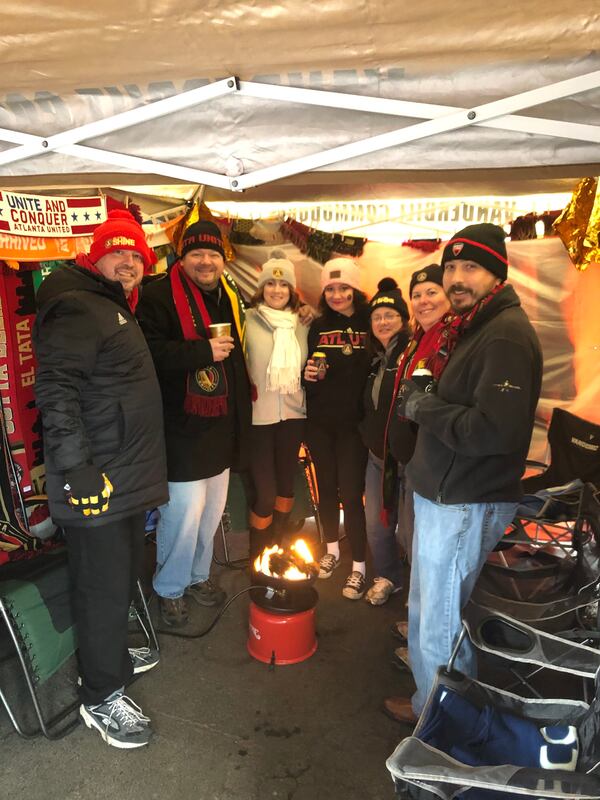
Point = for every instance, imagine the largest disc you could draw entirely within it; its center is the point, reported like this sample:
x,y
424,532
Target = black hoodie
x,y
474,433
98,395
336,401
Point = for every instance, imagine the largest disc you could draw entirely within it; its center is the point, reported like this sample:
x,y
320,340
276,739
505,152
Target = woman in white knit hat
x,y
334,409
277,350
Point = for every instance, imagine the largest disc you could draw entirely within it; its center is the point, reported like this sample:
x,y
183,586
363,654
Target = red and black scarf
x,y
206,388
430,349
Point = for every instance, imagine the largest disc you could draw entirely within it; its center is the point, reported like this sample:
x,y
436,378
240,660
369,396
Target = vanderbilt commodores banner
x,y
39,215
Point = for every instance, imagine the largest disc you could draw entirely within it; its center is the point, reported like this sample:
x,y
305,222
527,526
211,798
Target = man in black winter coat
x,y
474,435
207,408
101,411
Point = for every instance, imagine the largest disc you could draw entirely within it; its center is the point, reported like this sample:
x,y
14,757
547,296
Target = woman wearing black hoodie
x,y
334,410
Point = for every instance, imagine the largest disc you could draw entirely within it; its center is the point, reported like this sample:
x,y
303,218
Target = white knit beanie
x,y
277,269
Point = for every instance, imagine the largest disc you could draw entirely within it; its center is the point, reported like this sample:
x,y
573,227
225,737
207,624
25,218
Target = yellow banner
x,y
40,248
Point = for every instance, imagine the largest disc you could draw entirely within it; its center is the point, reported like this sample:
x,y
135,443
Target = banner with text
x,y
41,215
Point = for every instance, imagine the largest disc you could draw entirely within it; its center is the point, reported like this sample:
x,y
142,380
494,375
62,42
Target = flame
x,y
293,572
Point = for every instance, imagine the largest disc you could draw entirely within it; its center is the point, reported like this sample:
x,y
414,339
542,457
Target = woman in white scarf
x,y
277,350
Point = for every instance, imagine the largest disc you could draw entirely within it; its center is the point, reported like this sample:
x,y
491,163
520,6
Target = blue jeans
x,y
451,544
382,539
186,532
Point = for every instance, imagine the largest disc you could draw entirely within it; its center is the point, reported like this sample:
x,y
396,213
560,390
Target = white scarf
x,y
283,371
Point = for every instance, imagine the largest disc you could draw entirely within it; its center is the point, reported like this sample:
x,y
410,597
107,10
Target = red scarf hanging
x,y
206,388
435,347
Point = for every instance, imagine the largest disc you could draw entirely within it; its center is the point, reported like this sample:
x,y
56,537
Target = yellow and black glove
x,y
88,490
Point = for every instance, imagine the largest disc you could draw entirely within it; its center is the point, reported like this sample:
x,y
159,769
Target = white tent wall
x,y
63,66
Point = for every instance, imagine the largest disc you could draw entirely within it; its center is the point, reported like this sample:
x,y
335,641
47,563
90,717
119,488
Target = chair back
x,y
38,605
574,453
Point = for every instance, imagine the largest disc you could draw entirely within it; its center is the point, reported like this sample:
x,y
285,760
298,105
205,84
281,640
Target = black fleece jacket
x,y
336,401
98,394
373,425
474,433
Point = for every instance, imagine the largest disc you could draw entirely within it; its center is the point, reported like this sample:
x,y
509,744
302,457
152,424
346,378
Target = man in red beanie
x,y
101,411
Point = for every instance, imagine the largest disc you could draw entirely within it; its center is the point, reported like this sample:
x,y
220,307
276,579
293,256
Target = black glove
x,y
88,490
409,394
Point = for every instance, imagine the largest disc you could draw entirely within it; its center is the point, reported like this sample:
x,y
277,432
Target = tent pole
x,y
126,119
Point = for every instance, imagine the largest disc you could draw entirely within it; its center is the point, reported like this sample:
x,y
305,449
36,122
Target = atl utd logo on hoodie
x,y
342,338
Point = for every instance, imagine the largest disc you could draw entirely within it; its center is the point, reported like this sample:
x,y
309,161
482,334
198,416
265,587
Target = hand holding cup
x,y
221,341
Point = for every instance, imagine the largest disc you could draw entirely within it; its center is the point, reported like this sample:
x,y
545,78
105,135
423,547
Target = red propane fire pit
x,y
282,607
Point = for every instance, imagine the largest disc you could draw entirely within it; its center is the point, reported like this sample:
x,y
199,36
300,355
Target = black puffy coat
x,y
98,395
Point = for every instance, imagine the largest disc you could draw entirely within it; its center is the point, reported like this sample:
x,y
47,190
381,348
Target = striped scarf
x,y
206,388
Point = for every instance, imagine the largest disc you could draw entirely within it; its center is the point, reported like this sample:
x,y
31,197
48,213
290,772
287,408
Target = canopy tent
x,y
316,100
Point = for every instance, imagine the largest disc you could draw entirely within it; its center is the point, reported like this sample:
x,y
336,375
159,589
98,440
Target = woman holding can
x,y
334,378
276,349
425,353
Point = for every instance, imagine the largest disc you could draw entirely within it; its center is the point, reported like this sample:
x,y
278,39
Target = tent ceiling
x,y
403,78
61,45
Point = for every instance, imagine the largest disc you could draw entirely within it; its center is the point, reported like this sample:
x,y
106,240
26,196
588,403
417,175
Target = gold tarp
x,y
579,224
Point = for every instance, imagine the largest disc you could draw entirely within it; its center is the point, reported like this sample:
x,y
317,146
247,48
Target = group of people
x,y
417,417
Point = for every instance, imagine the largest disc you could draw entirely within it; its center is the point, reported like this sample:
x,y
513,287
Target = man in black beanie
x,y
207,411
474,434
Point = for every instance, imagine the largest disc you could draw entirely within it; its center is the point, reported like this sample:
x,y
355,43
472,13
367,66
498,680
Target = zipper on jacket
x,y
443,481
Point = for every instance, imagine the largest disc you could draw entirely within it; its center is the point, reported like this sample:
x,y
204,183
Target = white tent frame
x,y
497,114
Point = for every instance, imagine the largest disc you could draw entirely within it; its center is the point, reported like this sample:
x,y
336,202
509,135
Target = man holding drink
x,y
193,320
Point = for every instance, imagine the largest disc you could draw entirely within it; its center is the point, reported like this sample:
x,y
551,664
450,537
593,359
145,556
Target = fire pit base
x,y
277,638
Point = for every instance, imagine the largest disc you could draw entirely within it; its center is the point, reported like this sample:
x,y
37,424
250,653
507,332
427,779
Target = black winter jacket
x,y
98,395
474,433
336,401
373,425
197,447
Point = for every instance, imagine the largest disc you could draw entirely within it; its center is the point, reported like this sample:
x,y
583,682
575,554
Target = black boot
x,y
281,516
260,533
279,527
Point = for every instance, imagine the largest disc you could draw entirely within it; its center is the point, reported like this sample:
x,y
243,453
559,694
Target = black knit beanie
x,y
432,273
484,244
202,235
389,296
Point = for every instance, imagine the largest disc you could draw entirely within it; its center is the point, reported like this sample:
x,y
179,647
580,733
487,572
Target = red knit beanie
x,y
121,232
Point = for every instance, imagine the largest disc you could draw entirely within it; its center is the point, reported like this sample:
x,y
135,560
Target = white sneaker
x,y
119,721
327,564
381,591
355,586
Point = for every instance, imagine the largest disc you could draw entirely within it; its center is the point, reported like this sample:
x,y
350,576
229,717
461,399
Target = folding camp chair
x,y
420,769
548,587
35,609
552,507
